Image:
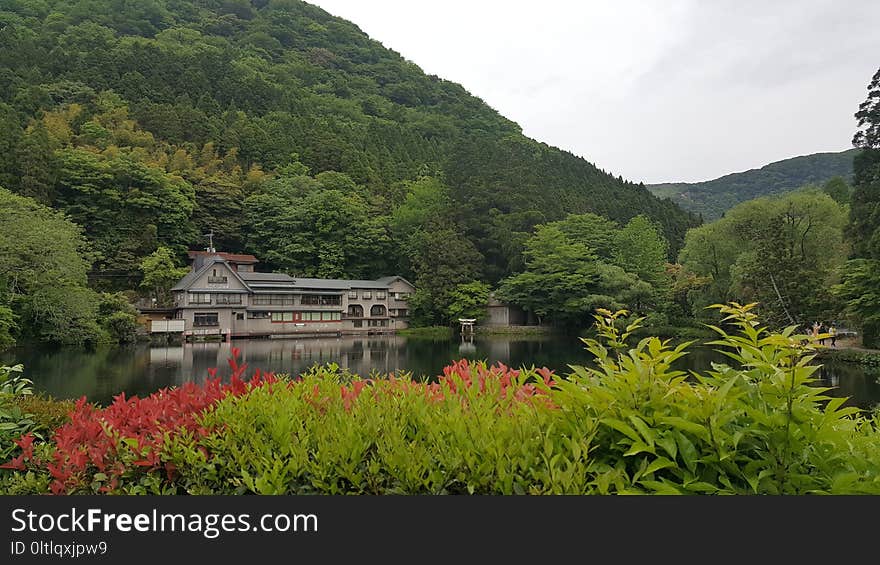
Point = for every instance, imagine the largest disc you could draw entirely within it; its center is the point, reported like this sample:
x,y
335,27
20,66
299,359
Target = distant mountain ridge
x,y
713,197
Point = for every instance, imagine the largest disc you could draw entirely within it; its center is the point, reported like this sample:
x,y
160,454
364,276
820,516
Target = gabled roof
x,y
191,277
390,279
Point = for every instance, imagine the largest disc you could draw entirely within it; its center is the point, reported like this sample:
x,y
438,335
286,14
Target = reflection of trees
x,y
141,370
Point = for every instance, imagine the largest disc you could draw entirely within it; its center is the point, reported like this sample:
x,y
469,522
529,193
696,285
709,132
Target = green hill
x,y
149,122
712,198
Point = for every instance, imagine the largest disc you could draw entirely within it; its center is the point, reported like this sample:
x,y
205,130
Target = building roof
x,y
238,258
190,277
266,277
267,282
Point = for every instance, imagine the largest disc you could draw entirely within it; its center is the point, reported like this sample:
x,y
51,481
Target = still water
x,y
139,370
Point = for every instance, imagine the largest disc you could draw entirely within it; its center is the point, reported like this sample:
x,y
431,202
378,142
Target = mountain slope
x,y
195,103
712,198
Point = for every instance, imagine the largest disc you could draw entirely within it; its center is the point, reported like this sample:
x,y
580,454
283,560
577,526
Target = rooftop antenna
x,y
210,236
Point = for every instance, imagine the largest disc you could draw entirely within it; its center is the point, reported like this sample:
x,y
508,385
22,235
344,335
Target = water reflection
x,y
101,374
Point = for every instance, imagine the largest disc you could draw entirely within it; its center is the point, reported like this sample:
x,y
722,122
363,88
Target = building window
x,y
258,315
400,295
321,300
377,310
352,294
228,299
377,323
205,319
273,300
380,295
239,315
401,312
215,279
355,311
321,316
199,298
368,294
358,323
282,316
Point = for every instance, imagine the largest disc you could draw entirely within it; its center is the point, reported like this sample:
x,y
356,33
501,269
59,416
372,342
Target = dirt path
x,y
851,343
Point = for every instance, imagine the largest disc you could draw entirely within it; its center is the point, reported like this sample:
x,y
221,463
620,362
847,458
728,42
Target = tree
x,y
36,165
10,137
784,252
640,248
160,274
43,264
596,232
8,327
468,300
441,259
860,288
560,278
838,189
308,229
868,116
118,317
863,230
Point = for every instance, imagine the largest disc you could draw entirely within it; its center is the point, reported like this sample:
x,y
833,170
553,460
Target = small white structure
x,y
167,326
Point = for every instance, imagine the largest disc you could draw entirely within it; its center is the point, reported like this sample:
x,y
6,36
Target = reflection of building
x,y
223,295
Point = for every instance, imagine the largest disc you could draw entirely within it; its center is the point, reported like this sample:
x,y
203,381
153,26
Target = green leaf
x,y
621,427
658,464
685,425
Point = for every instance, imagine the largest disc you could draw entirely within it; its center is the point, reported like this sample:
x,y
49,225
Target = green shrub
x,y
46,412
394,436
14,422
760,428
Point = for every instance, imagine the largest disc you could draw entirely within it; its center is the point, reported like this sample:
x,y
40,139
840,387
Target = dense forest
x,y
286,131
712,198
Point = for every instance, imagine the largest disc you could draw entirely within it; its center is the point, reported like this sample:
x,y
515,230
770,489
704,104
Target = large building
x,y
223,295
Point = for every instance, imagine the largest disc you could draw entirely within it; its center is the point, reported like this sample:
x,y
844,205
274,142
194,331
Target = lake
x,y
142,369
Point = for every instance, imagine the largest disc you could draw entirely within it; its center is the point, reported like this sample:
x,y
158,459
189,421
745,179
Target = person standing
x,y
833,332
822,331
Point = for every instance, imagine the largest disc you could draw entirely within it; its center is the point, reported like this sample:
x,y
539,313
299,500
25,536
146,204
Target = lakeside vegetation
x,y
632,424
427,332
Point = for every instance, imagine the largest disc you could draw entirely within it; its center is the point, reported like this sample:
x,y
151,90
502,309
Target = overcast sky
x,y
655,90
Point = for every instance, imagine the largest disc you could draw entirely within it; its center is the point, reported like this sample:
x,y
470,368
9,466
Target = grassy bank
x,y
514,330
428,332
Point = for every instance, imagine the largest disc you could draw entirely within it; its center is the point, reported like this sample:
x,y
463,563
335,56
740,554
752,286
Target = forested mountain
x,y
151,121
712,198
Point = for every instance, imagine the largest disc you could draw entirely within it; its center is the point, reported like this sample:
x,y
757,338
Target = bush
x,y
631,424
46,412
14,422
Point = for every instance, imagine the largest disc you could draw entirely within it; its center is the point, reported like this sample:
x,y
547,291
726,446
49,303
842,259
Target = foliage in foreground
x,y
629,424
